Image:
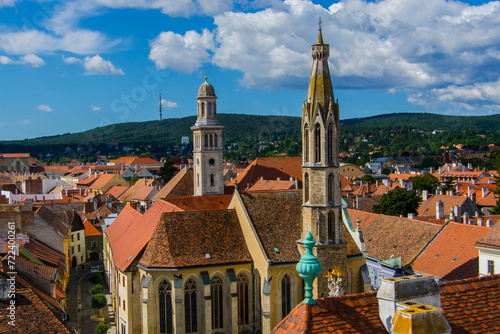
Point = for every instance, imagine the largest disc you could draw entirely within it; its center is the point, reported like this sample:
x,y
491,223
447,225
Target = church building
x,y
216,263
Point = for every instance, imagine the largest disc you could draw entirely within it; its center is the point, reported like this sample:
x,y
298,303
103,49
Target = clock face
x,y
211,162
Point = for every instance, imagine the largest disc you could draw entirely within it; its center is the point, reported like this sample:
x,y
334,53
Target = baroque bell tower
x,y
208,150
322,201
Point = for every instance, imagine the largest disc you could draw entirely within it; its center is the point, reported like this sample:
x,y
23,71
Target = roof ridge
x,y
471,280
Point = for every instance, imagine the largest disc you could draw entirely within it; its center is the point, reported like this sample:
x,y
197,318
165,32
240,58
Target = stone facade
x,y
321,212
208,148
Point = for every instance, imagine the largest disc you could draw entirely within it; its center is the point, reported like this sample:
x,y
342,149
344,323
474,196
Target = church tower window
x,y
286,291
209,108
216,141
331,226
165,307
306,188
217,304
330,187
206,140
306,143
329,143
243,301
190,312
317,143
212,180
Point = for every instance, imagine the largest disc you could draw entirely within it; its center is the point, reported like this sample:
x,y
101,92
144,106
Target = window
x,y
211,140
306,143
72,238
81,258
206,140
317,143
78,236
165,307
198,179
211,162
190,315
94,244
124,305
203,109
286,303
212,180
243,302
216,140
306,188
330,188
491,267
217,311
79,249
329,143
72,250
209,111
331,226
123,282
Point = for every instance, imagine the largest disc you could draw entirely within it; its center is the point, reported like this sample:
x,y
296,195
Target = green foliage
x,y
97,289
96,278
167,171
134,178
428,162
447,185
398,202
386,171
98,301
101,328
367,178
425,182
496,208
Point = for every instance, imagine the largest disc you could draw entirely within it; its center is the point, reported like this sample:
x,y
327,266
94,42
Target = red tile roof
x,y
428,208
135,161
54,221
44,253
46,272
180,185
32,316
200,203
116,191
266,185
270,169
452,254
492,238
470,306
103,180
131,232
88,181
15,155
210,233
138,191
91,230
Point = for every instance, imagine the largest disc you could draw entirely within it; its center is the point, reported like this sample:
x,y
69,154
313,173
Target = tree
x,y
425,182
134,179
367,178
98,301
398,202
167,171
98,288
101,328
428,162
496,208
96,278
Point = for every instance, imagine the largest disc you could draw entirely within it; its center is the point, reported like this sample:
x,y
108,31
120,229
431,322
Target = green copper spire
x,y
309,268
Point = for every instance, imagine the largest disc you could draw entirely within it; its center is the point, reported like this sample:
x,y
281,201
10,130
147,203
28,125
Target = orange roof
x,y
200,203
15,155
131,232
116,191
135,161
270,169
180,185
88,181
366,218
448,259
488,200
428,208
56,169
266,185
91,230
102,180
404,176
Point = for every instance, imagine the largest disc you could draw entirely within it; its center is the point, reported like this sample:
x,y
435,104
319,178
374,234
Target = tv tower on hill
x,y
160,106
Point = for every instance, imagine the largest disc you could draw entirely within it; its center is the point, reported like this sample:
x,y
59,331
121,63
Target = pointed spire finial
x,y
205,75
320,36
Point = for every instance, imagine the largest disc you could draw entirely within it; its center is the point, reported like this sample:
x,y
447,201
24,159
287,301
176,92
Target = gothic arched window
x,y
317,143
165,307
212,180
306,187
286,291
190,311
331,226
243,301
329,143
217,310
330,188
306,143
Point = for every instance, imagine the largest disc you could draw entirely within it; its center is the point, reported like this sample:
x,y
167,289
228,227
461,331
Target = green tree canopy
x,y
425,182
496,208
367,178
398,202
167,171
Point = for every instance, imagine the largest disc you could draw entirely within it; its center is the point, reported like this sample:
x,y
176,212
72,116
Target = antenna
x,y
319,23
160,106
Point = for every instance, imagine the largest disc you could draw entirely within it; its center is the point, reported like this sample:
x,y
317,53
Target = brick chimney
x,y
412,317
416,288
439,209
425,195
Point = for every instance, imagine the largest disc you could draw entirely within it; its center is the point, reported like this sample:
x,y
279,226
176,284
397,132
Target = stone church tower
x,y
322,206
207,139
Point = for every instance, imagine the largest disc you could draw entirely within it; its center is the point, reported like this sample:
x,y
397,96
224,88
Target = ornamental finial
x,y
309,268
320,36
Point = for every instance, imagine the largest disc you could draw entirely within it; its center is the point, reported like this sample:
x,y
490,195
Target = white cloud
x,y
72,60
182,53
44,107
6,60
98,65
32,60
25,122
36,41
95,108
169,104
7,3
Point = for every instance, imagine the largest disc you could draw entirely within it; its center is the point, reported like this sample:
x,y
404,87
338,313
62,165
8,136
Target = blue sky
x,y
69,66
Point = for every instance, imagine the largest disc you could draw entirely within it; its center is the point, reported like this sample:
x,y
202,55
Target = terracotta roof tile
x,y
492,238
428,208
103,180
475,309
131,232
450,260
44,253
180,185
216,233
88,181
91,230
32,316
46,272
200,203
116,191
266,185
270,169
277,218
